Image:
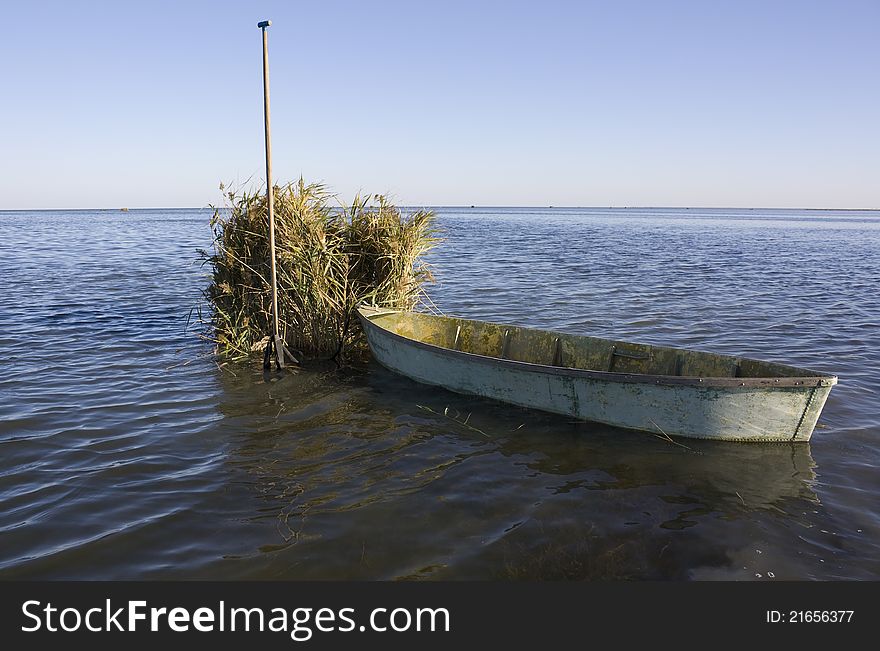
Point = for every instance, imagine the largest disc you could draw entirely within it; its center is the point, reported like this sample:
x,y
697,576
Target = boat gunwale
x,y
802,382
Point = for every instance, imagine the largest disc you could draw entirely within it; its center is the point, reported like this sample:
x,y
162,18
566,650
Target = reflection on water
x,y
364,472
126,453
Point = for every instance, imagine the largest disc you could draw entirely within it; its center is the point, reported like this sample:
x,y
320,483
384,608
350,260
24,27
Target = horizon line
x,y
476,206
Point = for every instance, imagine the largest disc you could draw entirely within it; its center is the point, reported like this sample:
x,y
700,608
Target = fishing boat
x,y
663,390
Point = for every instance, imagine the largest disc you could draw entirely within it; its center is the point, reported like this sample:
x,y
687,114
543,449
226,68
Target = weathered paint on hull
x,y
731,413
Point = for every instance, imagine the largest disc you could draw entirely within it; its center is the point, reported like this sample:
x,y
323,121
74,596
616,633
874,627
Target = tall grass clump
x,y
329,259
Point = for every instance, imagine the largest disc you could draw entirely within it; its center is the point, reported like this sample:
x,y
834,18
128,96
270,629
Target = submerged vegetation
x,y
329,259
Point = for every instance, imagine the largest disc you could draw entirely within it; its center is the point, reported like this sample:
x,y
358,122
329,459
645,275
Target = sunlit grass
x,y
329,257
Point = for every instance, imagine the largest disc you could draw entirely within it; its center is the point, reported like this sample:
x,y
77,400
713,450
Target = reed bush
x,y
329,259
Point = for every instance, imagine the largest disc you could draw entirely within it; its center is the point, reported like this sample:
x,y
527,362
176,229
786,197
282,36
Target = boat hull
x,y
690,407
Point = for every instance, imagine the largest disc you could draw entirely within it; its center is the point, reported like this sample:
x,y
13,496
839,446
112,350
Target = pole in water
x,y
276,343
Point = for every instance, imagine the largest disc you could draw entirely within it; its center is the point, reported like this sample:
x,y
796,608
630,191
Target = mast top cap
x,y
264,23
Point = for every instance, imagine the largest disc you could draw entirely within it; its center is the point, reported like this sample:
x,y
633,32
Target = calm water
x,y
125,452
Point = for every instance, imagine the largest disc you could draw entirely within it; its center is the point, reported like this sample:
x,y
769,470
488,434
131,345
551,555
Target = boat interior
x,y
572,351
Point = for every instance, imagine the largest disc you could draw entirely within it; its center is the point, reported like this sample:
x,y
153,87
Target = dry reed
x,y
329,259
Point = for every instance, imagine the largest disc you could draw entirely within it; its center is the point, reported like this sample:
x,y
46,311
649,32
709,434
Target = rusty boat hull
x,y
664,390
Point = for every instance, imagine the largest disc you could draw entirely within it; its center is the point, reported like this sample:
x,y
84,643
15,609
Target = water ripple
x,y
126,453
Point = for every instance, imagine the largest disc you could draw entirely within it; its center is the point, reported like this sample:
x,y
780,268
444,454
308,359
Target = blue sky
x,y
752,104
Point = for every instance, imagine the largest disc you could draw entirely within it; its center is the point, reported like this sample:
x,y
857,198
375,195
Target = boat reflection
x,y
368,403
335,460
748,474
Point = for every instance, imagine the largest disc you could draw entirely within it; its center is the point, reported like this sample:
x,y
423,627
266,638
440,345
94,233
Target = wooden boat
x,y
669,391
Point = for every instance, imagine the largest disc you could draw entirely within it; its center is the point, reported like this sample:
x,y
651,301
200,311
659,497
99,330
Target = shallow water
x,y
126,453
